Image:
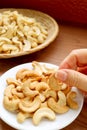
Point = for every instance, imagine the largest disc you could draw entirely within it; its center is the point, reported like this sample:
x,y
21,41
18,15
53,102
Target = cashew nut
x,y
13,81
41,113
54,83
21,116
62,98
35,105
11,105
60,105
18,94
41,86
8,89
66,90
19,73
50,93
27,91
70,100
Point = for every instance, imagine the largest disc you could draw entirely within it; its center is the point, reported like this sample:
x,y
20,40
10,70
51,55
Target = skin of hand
x,y
73,69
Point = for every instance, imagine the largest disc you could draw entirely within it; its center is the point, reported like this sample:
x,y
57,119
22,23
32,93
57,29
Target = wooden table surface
x,y
69,38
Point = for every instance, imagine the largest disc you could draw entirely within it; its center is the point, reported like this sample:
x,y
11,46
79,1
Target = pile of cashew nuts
x,y
37,94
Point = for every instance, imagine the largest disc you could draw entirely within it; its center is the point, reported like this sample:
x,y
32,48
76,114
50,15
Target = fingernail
x,y
61,75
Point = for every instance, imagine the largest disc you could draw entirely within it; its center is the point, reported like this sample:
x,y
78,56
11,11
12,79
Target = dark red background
x,y
65,10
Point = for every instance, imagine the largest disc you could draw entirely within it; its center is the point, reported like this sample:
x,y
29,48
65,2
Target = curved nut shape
x,y
54,83
62,98
8,92
18,94
13,81
70,100
41,113
21,116
35,105
27,91
56,107
66,90
11,105
50,93
41,86
20,72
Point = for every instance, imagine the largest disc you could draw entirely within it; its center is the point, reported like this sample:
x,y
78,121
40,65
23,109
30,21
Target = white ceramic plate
x,y
61,120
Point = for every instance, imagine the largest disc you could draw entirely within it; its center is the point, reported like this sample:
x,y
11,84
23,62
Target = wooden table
x,y
69,38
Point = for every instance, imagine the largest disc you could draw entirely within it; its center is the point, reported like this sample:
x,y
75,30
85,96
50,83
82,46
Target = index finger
x,y
77,58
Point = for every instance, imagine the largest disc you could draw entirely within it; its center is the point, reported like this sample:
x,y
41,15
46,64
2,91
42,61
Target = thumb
x,y
72,78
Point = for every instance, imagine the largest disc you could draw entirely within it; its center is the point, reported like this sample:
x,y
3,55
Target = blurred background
x,y
71,11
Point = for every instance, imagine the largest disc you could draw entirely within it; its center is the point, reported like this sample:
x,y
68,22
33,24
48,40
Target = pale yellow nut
x,y
61,98
27,91
50,93
11,104
39,68
54,83
21,116
27,45
42,97
13,81
20,73
41,86
18,94
43,112
35,105
71,100
17,43
56,107
8,89
66,90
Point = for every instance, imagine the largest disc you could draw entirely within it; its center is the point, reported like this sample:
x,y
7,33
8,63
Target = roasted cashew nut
x,y
54,83
41,86
70,100
59,106
20,72
43,112
66,90
21,116
50,93
11,105
8,92
27,91
35,105
18,94
62,98
13,81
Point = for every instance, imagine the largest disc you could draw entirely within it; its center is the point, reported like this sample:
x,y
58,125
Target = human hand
x,y
73,70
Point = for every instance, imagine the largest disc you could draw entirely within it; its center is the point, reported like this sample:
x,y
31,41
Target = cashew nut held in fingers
x,y
11,105
43,112
59,106
35,105
70,100
27,91
54,83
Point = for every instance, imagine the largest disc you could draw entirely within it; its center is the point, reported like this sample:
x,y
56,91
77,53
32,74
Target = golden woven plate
x,y
43,18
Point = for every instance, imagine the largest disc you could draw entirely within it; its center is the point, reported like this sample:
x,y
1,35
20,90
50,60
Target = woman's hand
x,y
73,69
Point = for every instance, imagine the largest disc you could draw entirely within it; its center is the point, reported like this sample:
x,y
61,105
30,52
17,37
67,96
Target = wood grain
x,y
69,38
